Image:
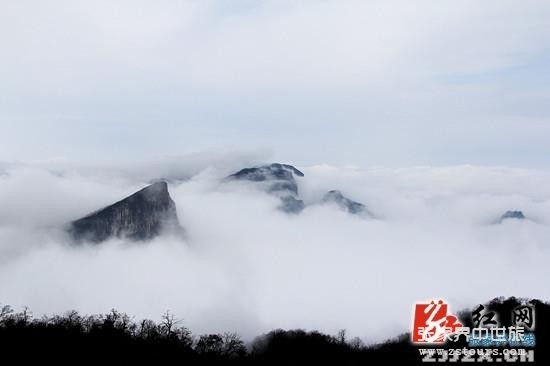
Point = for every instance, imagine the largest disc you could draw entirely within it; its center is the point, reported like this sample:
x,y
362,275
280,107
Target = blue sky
x,y
369,83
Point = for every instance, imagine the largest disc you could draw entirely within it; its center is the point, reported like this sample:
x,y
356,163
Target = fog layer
x,y
247,267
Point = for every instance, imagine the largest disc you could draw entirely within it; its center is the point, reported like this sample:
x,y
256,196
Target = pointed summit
x,y
141,216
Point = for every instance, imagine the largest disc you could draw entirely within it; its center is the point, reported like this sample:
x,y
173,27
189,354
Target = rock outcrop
x,y
276,179
141,216
518,215
346,204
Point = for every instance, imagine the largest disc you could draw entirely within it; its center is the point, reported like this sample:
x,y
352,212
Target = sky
x,y
389,83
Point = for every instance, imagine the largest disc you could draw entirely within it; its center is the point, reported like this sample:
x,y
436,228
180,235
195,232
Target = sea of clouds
x,y
247,267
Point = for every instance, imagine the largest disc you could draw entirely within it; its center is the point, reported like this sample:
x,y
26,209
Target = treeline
x,y
116,337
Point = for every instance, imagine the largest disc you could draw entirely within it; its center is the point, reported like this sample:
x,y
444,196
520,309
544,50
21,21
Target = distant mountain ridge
x,y
280,180
151,211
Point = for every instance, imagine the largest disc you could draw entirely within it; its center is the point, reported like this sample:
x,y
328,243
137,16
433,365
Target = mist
x,y
245,266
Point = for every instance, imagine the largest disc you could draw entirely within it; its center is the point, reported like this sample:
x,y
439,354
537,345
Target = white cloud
x,y
250,268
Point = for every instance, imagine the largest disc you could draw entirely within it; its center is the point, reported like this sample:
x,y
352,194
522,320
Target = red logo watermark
x,y
432,322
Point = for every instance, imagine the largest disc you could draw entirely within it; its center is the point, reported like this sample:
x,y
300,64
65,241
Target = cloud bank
x,y
247,267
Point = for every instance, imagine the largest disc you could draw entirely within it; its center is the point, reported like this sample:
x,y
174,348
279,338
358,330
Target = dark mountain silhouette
x,y
518,215
141,216
277,179
346,204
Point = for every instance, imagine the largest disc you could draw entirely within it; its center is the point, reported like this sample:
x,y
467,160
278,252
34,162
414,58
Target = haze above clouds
x,y
383,83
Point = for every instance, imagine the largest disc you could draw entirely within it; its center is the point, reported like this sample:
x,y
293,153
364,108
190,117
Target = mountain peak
x,y
140,216
512,215
273,171
278,179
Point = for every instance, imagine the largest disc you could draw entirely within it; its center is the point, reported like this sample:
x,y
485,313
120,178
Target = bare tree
x,y
210,344
356,343
25,316
5,312
169,326
233,346
341,336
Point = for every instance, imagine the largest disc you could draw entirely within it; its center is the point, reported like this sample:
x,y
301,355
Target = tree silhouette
x,y
116,337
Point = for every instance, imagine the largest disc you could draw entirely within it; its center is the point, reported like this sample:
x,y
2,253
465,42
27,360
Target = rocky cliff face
x,y
141,216
346,204
277,179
